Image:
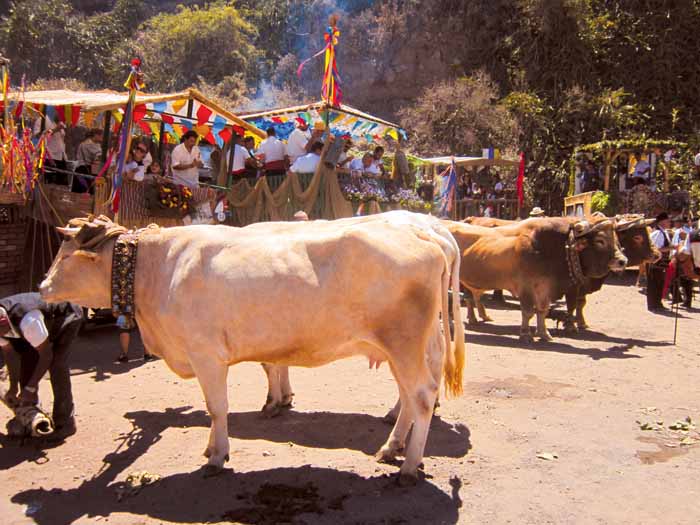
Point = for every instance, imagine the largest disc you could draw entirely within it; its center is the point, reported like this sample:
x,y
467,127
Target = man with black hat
x,y
657,271
41,334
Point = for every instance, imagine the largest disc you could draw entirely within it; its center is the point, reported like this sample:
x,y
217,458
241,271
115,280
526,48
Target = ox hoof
x,y
388,454
486,319
287,401
472,322
390,418
209,471
271,410
407,480
570,328
582,326
527,338
545,338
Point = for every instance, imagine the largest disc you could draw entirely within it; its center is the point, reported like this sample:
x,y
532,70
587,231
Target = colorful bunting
x,y
177,105
203,114
139,112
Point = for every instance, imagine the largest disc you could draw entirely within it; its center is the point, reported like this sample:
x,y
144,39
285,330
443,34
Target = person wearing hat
x,y
657,271
537,212
41,335
298,139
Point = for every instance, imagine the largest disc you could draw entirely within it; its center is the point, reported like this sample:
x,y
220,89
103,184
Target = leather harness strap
x,y
573,260
123,277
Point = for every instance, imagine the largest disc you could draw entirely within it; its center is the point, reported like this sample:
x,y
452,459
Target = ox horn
x,y
600,225
599,214
581,228
624,226
67,231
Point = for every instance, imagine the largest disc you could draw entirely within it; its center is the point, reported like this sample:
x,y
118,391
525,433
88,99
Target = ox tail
x,y
455,352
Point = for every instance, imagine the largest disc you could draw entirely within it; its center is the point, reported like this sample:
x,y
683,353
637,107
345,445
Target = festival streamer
x,y
330,86
521,180
133,83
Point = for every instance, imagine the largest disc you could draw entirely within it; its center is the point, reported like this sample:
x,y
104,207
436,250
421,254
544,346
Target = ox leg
x,y
286,386
272,405
471,316
527,311
421,393
542,331
569,325
211,375
435,358
397,438
580,305
480,307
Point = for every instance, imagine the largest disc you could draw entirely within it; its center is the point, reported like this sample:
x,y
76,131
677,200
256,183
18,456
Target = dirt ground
x,y
584,400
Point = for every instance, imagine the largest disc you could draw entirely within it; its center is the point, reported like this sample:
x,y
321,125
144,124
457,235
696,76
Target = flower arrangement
x,y
175,196
364,190
409,200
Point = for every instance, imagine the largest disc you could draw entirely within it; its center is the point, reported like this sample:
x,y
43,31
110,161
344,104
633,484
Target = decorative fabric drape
x,y
322,199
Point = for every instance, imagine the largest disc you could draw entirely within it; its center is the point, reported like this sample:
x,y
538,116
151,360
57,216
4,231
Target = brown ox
x,y
537,260
338,289
634,236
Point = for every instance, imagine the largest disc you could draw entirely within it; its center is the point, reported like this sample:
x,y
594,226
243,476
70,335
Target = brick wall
x,y
12,239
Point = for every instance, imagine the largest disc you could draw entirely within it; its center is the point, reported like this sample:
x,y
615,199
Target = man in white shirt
x,y
186,161
298,140
273,153
657,271
40,335
308,162
55,133
240,154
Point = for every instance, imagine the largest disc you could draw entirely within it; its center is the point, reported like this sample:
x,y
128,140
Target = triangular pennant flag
x,y
139,112
210,138
61,113
203,114
75,115
202,130
144,127
167,118
89,118
155,128
225,134
177,105
160,107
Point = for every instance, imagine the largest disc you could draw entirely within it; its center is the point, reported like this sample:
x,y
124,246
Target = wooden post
x,y
105,136
607,159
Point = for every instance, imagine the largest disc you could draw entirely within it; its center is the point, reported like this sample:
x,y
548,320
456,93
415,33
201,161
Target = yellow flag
x,y
178,105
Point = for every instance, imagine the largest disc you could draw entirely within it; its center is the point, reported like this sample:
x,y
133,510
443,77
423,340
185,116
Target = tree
x,y
460,117
213,42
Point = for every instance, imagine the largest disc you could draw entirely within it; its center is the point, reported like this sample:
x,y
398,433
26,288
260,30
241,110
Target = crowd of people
x,y
664,281
302,153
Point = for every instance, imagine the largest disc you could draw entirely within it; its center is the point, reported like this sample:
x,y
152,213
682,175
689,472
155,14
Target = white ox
x,y
338,289
280,393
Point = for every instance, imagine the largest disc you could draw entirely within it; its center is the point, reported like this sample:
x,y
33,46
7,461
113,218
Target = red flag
x,y
75,115
521,180
203,114
225,134
139,112
60,111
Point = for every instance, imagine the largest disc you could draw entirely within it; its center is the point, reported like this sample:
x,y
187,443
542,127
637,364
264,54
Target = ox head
x,y
81,271
635,238
598,247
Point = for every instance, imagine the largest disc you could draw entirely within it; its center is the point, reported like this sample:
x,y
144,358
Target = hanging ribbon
x,y
330,85
133,83
521,180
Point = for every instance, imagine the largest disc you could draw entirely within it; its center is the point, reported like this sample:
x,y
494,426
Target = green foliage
x,y
459,117
602,202
212,42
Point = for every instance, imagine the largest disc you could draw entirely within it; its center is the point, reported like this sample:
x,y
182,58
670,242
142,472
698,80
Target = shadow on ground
x,y
507,336
320,495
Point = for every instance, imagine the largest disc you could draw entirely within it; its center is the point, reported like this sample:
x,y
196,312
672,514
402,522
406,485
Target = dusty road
x,y
583,400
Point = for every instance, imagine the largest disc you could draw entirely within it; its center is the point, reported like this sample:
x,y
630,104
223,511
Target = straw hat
x,y
537,212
